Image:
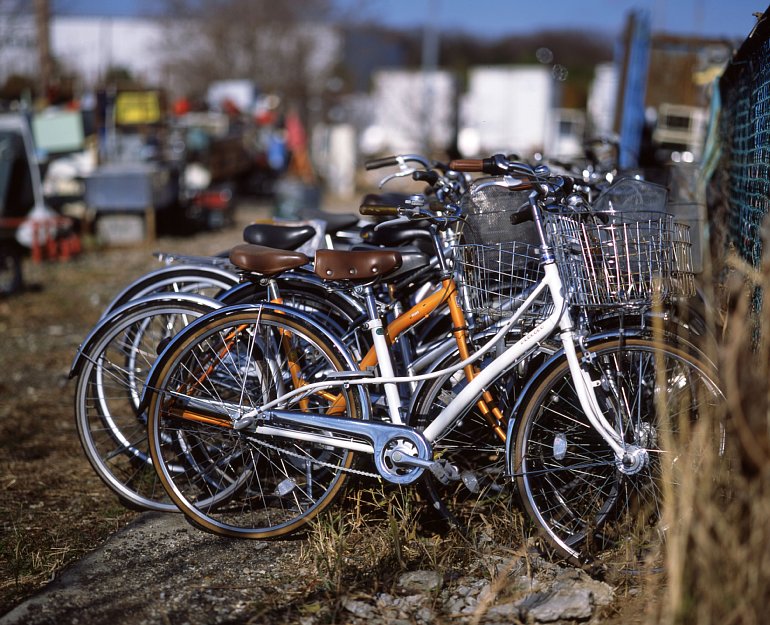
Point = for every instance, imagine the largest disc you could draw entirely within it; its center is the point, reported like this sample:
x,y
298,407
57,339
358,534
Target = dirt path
x,y
53,507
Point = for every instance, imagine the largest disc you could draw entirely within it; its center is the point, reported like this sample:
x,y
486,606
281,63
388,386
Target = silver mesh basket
x,y
627,195
495,278
487,210
622,259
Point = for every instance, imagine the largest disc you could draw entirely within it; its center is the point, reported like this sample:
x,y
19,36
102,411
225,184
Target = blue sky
x,y
494,18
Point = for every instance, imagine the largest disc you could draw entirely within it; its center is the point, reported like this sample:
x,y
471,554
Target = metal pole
x,y
42,23
430,53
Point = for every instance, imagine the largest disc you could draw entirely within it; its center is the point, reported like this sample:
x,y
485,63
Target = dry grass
x,y
718,555
53,508
379,533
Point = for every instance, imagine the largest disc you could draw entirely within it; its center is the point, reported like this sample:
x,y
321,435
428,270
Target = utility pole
x,y
430,54
42,23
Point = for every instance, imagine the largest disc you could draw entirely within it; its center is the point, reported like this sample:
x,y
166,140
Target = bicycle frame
x,y
264,419
396,442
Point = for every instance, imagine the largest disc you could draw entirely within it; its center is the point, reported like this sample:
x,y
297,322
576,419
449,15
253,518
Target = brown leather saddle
x,y
360,266
266,261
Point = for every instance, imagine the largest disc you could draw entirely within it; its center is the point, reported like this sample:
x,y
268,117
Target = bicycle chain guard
x,y
401,453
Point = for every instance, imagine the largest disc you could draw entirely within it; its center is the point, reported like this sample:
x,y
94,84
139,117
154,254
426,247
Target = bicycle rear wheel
x,y
589,507
243,483
339,314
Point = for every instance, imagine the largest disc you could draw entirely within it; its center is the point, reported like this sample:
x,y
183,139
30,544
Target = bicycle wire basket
x,y
622,255
497,261
622,258
627,195
495,278
487,210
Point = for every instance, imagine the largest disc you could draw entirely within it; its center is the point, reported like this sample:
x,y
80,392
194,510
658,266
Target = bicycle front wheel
x,y
206,281
111,376
590,506
242,483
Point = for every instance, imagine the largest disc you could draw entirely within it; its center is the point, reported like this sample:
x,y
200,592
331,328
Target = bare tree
x,y
42,23
276,44
17,42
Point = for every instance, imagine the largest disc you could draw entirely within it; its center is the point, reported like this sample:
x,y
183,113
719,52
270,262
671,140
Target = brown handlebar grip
x,y
467,164
378,211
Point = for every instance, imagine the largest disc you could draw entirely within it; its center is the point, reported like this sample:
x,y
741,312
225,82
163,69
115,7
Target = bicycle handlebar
x,y
522,215
429,177
377,163
399,160
472,165
496,165
379,211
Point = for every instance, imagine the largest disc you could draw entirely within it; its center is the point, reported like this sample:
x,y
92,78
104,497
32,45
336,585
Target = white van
x,y
21,198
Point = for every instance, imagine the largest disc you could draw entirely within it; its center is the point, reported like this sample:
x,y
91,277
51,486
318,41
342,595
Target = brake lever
x,y
408,171
401,219
507,182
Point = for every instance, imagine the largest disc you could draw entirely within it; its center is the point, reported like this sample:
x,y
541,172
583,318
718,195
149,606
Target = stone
x,y
420,581
359,608
561,604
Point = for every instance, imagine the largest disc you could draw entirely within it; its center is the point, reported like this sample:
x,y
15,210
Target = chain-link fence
x,y
740,196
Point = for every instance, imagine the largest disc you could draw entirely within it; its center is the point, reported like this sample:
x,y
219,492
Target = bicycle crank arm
x,y
401,453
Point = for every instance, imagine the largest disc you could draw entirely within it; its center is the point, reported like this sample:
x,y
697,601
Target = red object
x,y
295,132
264,118
48,242
213,199
229,107
182,107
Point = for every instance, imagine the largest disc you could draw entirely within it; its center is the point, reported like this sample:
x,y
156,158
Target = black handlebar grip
x,y
495,165
378,211
385,161
521,215
430,177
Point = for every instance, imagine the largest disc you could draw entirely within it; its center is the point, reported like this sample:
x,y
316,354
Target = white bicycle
x,y
256,413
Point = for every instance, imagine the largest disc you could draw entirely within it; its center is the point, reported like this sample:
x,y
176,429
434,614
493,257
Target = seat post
x,y
273,292
381,348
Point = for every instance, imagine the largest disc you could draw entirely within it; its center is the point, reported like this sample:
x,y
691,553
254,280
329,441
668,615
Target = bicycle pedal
x,y
471,481
444,472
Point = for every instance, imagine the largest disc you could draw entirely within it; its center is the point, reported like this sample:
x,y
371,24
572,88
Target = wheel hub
x,y
633,461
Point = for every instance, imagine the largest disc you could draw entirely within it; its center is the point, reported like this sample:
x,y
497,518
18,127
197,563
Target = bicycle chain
x,y
321,463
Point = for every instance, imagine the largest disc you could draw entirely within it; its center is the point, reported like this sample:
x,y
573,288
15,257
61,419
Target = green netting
x,y
745,138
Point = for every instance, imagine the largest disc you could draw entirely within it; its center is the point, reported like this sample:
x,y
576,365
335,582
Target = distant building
x,y
87,46
602,100
681,74
18,46
565,133
414,111
90,46
507,109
